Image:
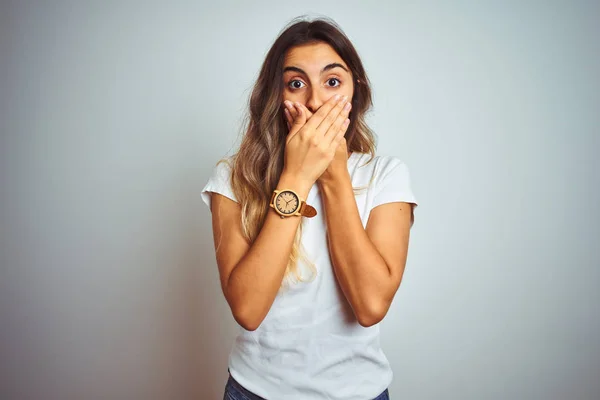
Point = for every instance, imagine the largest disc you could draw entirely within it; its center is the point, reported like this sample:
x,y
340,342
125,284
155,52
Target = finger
x,y
291,109
300,118
341,143
332,116
308,113
344,128
334,136
322,112
294,118
332,123
340,137
288,118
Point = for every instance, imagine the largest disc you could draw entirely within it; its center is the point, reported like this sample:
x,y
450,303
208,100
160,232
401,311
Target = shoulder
x,y
220,174
388,163
379,167
388,178
219,180
223,166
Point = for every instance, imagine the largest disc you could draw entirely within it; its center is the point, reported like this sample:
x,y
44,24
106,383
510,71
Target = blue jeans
x,y
235,391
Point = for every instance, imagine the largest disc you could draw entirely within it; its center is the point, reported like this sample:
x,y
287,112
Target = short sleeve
x,y
394,184
219,182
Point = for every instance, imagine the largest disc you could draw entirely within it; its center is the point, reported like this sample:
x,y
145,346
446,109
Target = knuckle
x,y
303,136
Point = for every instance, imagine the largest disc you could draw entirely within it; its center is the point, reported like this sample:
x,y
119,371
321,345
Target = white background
x,y
113,115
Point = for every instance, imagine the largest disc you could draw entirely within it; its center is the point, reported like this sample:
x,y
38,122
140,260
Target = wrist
x,y
293,182
336,180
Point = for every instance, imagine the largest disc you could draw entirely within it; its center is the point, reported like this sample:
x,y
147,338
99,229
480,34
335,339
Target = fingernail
x,y
288,104
345,98
337,97
347,106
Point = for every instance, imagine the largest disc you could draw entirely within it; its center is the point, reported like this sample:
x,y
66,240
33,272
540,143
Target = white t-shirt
x,y
310,345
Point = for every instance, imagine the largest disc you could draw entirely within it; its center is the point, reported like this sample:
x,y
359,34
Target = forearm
x,y
254,282
359,267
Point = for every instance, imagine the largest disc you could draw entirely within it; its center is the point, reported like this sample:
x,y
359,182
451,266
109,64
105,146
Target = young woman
x,y
311,228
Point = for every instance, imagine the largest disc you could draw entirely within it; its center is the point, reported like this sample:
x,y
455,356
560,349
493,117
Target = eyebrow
x,y
325,68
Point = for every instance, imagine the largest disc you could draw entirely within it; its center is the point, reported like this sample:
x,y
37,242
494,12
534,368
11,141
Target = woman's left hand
x,y
338,168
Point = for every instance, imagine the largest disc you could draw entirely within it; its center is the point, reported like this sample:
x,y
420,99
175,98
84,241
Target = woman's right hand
x,y
312,140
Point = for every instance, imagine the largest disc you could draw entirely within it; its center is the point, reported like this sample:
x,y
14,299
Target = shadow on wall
x,y
217,328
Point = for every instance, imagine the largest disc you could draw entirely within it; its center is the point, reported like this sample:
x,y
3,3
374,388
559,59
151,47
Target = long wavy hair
x,y
257,166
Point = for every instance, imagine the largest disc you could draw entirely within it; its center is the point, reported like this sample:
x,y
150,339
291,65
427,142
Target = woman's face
x,y
312,73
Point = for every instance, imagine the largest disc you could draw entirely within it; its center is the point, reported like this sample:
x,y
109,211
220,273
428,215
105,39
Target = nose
x,y
315,100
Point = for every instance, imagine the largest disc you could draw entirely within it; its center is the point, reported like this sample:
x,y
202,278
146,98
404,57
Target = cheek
x,y
292,97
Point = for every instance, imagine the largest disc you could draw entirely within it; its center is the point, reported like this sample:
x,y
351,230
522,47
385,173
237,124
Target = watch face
x,y
287,202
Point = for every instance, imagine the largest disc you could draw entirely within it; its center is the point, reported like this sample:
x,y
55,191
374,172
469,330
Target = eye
x,y
295,84
330,80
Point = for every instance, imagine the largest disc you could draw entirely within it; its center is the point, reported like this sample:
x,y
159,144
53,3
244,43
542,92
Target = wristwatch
x,y
287,203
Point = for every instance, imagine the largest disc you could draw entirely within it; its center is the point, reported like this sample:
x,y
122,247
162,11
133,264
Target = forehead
x,y
312,56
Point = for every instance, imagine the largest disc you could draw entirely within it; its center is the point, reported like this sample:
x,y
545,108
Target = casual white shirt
x,y
310,345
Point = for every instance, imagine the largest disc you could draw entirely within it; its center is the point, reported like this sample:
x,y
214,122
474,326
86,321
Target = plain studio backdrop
x,y
113,115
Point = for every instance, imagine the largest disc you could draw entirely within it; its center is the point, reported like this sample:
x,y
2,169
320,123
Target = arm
x,y
252,274
369,263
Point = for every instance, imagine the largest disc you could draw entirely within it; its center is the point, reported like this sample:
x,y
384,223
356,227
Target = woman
x,y
311,229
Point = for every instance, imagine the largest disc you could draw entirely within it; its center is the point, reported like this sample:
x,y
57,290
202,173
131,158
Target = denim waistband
x,y
251,396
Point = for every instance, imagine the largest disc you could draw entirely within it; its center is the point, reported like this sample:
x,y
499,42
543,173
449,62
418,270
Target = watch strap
x,y
307,210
